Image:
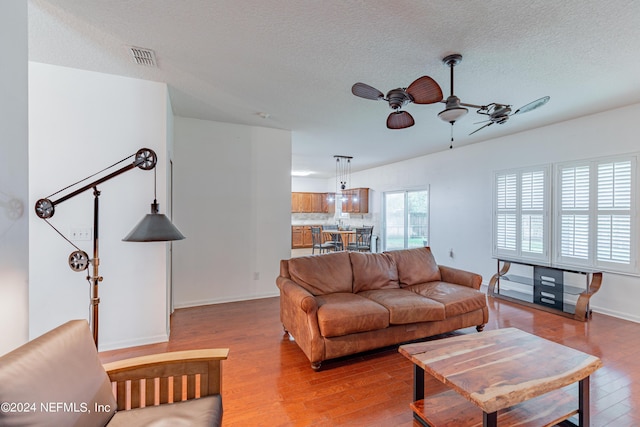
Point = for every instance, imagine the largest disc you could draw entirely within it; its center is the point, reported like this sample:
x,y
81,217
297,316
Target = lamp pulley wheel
x,y
78,260
146,159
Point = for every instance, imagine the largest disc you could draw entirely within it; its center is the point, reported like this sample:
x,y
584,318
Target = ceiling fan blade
x,y
425,90
484,121
488,124
365,91
400,120
532,105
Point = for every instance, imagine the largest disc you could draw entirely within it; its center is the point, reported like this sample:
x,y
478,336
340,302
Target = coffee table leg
x,y
583,402
490,420
418,383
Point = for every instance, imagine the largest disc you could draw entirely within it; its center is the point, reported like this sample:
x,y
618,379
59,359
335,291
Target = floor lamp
x,y
154,227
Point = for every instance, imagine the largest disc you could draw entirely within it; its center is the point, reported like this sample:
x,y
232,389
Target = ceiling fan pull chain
x,y
451,144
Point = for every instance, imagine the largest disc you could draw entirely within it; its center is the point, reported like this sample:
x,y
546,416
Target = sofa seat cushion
x,y
457,299
405,306
346,313
323,274
206,411
373,271
415,266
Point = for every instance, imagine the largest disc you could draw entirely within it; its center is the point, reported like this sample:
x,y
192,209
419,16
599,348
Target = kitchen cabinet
x,y
301,202
301,236
304,202
307,238
355,200
297,237
295,202
329,203
316,201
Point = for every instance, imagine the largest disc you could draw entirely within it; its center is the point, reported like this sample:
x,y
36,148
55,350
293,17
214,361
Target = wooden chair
x,y
62,367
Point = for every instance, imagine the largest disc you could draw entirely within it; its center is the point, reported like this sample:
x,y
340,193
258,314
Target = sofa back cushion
x,y
323,274
56,369
415,266
373,271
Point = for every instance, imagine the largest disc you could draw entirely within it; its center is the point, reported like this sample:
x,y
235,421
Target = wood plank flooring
x,y
267,380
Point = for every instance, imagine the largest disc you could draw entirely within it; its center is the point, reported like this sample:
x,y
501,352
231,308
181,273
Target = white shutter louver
x,y
532,207
614,212
505,221
574,212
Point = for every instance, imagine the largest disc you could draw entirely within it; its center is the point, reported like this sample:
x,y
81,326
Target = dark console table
x,y
545,288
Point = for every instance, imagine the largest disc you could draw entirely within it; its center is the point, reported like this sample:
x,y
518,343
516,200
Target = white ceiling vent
x,y
143,56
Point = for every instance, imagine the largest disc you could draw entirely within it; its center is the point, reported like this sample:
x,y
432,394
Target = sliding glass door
x,y
406,219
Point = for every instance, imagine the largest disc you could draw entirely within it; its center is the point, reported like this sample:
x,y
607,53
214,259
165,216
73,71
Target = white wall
x,y
14,177
312,185
232,200
81,122
461,190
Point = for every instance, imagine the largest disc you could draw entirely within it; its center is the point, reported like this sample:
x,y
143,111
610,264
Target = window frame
x,y
593,213
406,225
518,211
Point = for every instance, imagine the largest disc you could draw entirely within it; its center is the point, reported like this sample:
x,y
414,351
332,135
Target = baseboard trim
x,y
115,345
613,313
197,303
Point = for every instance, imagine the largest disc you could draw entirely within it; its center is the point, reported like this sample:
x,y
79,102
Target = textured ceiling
x,y
228,60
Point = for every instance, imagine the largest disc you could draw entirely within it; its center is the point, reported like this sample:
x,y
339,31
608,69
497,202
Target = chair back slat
x,y
166,383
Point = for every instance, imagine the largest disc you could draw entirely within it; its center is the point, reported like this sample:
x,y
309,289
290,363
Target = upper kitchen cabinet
x,y
300,202
316,201
355,200
312,203
329,202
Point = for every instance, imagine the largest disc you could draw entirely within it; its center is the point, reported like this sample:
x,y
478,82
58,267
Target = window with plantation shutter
x,y
614,212
521,213
595,211
533,213
505,217
574,212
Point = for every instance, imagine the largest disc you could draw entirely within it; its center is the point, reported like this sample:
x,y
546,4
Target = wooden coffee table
x,y
503,375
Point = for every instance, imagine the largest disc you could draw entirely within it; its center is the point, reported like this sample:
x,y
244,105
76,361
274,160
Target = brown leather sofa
x,y
57,380
344,303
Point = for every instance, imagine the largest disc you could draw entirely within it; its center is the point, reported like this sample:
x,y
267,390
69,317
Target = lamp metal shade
x,y
154,227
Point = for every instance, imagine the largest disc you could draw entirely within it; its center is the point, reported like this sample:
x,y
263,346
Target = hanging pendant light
x,y
343,173
154,227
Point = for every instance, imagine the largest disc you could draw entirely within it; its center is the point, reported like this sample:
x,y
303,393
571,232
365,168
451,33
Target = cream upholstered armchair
x,y
57,379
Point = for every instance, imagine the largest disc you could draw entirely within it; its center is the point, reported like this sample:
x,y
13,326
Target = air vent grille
x,y
143,56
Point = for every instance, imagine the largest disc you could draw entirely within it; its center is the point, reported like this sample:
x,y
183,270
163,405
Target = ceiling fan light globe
x,y
452,114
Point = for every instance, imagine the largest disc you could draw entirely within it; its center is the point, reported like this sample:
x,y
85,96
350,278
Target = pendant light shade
x,y
154,227
453,111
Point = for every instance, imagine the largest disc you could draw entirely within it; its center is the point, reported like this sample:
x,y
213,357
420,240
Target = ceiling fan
x,y
425,90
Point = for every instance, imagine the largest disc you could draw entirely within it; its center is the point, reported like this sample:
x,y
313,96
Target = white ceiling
x,y
228,60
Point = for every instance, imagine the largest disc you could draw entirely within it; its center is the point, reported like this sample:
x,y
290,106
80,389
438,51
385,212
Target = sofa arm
x,y
191,374
299,316
460,277
297,294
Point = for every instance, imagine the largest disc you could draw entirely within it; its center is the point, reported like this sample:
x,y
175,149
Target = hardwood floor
x,y
267,380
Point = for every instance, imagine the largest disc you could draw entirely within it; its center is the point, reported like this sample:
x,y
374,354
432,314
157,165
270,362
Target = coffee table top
x,y
500,368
